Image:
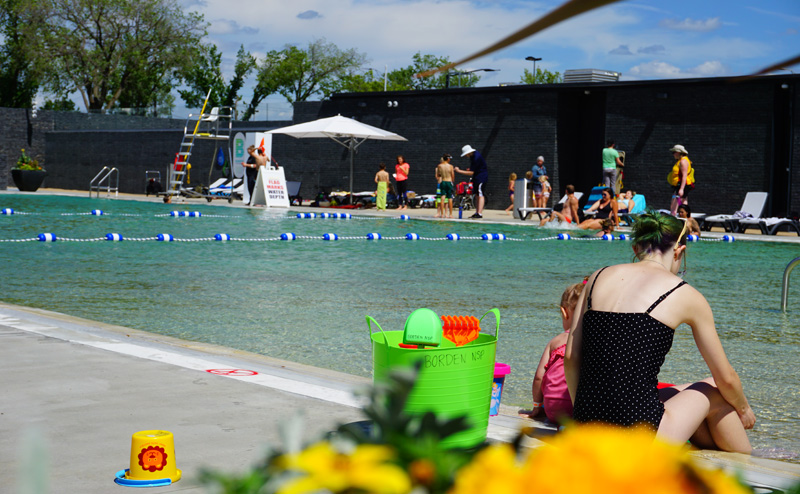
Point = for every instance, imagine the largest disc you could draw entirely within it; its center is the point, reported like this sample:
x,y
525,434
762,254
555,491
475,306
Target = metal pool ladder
x,y
786,273
104,177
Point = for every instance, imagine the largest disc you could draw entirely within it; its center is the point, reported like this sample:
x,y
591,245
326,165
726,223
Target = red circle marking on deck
x,y
232,372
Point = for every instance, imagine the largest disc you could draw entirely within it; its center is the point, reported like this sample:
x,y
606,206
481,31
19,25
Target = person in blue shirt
x,y
479,171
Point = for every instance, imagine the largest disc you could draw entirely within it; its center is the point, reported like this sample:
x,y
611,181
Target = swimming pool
x,y
306,300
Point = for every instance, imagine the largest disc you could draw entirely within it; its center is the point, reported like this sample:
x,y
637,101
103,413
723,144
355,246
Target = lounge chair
x,y
224,188
769,226
525,212
752,208
640,204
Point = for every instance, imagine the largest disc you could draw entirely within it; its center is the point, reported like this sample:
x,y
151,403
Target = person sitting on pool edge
x,y
685,212
549,387
606,207
617,345
569,212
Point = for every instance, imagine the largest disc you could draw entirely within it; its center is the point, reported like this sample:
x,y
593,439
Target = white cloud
x,y
692,24
228,26
708,69
663,70
655,70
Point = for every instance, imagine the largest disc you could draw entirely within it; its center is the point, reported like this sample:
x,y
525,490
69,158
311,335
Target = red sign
x,y
232,372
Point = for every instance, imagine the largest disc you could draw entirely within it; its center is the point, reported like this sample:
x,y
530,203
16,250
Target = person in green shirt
x,y
610,163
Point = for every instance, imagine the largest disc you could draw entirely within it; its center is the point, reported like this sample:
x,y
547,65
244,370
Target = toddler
x,y
549,385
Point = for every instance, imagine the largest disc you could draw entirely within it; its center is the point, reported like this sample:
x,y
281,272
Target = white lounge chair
x,y
525,212
753,205
769,226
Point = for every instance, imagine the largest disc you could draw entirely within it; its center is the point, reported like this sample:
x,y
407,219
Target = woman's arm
x,y
701,320
594,206
684,173
615,211
572,355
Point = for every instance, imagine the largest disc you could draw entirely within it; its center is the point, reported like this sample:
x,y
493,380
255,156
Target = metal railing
x,y
104,177
786,273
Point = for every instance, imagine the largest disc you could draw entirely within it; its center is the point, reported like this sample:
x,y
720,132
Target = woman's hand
x,y
748,418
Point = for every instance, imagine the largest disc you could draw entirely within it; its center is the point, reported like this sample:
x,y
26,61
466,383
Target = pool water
x,y
306,300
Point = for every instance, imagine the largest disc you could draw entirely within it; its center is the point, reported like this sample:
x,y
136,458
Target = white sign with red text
x,y
270,190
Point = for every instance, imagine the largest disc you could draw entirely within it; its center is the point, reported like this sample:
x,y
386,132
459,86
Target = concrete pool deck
x,y
86,387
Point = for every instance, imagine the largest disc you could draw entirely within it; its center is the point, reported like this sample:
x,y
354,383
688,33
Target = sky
x,y
644,39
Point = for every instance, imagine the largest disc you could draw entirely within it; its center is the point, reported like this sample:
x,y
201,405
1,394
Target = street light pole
x,y
534,60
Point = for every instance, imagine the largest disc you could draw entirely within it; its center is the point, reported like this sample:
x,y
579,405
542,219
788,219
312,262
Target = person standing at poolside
x,y
252,164
610,163
382,179
445,174
479,171
681,177
401,178
538,170
626,320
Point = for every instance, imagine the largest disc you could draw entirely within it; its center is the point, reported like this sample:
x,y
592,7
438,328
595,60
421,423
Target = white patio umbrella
x,y
348,132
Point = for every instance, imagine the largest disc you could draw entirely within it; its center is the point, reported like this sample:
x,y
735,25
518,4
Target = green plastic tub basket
x,y
453,381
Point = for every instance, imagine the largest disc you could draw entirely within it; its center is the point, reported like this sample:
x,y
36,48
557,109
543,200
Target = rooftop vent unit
x,y
590,75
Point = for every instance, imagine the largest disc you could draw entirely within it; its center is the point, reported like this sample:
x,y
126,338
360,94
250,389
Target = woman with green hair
x,y
621,336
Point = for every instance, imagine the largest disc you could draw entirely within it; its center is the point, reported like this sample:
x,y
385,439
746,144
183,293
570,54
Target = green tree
x,y
542,77
313,71
105,48
18,79
274,72
59,104
206,74
404,79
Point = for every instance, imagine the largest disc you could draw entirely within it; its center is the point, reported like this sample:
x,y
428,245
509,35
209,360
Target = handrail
x,y
99,185
786,273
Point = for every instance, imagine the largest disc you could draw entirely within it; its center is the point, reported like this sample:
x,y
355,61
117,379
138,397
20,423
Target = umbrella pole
x,y
352,152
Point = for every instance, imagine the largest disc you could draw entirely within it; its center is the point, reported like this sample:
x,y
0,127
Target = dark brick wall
x,y
725,127
730,129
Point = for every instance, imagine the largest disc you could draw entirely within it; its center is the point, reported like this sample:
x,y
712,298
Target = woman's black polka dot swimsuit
x,y
621,355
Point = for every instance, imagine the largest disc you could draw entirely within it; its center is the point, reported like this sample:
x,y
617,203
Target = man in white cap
x,y
479,172
681,177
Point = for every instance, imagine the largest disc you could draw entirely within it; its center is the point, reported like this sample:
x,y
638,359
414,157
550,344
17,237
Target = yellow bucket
x,y
152,461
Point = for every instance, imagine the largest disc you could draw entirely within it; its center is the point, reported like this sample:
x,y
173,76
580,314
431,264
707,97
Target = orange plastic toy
x,y
460,329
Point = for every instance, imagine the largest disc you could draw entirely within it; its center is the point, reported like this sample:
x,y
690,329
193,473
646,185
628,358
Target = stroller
x,y
464,196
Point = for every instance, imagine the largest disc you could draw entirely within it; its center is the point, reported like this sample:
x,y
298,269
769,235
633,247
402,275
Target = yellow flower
x,y
367,469
494,469
593,458
606,459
